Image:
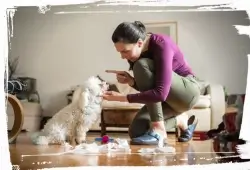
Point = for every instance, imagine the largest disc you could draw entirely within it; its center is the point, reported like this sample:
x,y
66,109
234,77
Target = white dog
x,y
73,122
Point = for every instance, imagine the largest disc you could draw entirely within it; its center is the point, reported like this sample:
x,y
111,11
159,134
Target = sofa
x,y
32,115
209,109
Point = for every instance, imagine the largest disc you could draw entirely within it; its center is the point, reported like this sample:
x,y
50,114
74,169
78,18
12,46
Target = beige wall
x,y
61,51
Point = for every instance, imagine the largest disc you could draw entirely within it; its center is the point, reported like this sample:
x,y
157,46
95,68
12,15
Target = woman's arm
x,y
163,64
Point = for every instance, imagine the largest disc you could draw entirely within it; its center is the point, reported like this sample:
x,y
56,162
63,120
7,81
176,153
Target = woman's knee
x,y
138,127
143,70
143,65
140,124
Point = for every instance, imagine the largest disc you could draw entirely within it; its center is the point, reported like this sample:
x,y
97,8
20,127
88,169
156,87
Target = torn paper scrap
x,y
165,149
119,145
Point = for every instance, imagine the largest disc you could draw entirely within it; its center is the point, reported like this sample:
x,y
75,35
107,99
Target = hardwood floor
x,y
29,156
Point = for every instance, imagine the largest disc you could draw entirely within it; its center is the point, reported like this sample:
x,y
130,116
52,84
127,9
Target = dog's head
x,y
96,85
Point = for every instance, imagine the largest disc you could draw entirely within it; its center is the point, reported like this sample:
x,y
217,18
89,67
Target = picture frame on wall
x,y
168,28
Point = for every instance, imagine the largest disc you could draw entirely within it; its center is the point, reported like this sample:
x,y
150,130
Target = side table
x,y
229,119
120,117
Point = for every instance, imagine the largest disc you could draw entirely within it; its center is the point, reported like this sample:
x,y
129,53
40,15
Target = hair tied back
x,y
140,25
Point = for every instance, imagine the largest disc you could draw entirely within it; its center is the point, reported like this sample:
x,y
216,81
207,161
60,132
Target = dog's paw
x,y
72,141
80,141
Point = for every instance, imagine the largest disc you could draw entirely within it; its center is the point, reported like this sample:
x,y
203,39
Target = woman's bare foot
x,y
159,128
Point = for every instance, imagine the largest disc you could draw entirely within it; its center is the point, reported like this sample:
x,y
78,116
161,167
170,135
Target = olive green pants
x,y
183,95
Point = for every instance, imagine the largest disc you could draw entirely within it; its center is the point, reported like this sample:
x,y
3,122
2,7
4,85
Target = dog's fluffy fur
x,y
72,122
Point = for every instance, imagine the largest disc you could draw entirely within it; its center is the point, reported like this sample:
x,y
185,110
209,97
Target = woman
x,y
166,83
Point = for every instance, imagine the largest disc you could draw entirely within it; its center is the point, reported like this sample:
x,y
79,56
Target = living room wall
x,y
61,51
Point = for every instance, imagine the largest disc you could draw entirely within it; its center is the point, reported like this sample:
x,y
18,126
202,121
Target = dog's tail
x,y
38,138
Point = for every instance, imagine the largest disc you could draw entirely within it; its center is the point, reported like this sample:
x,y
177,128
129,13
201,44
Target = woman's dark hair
x,y
129,32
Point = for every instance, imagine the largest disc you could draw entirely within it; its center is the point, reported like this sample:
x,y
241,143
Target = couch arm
x,y
218,104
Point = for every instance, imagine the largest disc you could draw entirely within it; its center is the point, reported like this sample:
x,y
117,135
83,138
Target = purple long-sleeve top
x,y
167,58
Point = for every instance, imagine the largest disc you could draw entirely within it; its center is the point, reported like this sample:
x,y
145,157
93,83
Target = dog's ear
x,y
112,87
99,78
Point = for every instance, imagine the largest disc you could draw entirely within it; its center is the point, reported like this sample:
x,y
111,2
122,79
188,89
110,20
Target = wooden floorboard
x,y
29,156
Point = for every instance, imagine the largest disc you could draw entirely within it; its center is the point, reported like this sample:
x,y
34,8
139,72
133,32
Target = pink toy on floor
x,y
104,139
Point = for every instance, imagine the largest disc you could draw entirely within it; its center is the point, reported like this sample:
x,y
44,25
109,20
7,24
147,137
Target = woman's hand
x,y
123,77
114,96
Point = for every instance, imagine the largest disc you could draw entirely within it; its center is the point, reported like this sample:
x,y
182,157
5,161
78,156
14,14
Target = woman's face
x,y
130,52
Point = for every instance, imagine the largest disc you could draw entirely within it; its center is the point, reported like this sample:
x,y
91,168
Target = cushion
x,y
203,102
204,118
203,86
115,104
125,89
